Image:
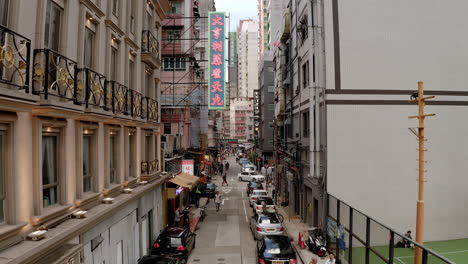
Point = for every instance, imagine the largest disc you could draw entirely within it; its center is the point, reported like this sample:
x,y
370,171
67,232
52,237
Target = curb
x,y
299,253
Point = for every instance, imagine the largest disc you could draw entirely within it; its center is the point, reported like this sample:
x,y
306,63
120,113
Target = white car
x,y
249,168
256,194
250,176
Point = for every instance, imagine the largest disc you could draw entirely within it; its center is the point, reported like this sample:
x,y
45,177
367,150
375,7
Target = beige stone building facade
x,y
80,122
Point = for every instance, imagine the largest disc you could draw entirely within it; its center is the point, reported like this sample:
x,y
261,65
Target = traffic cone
x,y
300,241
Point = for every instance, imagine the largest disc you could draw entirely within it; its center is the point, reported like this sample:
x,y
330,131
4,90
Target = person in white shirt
x,y
331,259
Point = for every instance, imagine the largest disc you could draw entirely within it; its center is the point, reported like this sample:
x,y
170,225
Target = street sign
x,y
187,166
216,60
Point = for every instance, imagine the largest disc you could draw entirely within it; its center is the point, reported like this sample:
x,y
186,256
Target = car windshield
x,y
276,246
260,193
210,186
255,185
268,219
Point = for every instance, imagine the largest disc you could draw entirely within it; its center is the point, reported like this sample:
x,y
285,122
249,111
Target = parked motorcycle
x,y
202,213
316,242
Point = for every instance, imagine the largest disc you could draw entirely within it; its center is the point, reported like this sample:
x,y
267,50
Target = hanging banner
x,y
216,60
187,166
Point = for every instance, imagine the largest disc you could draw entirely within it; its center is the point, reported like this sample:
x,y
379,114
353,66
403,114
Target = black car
x,y
275,249
175,242
207,190
153,259
253,185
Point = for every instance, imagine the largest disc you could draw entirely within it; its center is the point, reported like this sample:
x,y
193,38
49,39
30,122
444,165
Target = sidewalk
x,y
293,227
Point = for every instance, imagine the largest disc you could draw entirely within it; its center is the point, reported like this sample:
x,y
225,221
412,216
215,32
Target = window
x,y
305,75
112,157
147,24
173,36
271,89
313,68
52,26
176,7
87,174
3,173
305,124
50,185
167,128
131,154
115,7
4,12
148,144
177,64
131,74
271,107
113,65
147,88
120,252
132,17
88,48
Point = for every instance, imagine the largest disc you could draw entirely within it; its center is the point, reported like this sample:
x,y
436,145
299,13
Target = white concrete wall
x,y
372,165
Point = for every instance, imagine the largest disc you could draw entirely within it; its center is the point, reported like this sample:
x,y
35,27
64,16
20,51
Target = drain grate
x,y
196,260
221,259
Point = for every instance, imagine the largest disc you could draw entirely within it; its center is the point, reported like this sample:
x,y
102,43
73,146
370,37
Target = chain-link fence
x,y
355,238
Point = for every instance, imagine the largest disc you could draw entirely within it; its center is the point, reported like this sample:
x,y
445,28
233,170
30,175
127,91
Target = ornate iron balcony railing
x,y
14,59
91,89
54,74
149,167
149,44
120,94
135,103
153,109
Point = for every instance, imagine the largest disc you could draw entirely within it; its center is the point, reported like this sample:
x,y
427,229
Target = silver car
x,y
265,224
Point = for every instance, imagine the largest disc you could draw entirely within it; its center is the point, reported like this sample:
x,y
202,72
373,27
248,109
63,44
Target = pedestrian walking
x,y
177,217
227,166
217,200
331,259
224,179
220,168
313,261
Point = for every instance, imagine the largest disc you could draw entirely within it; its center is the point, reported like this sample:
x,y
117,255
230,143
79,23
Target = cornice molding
x,y
89,4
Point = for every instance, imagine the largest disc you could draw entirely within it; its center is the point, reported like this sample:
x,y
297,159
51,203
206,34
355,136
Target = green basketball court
x,y
454,250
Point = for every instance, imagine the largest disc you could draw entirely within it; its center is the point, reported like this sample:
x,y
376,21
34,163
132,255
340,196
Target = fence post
x,y
391,247
367,239
424,256
28,65
75,84
350,243
337,226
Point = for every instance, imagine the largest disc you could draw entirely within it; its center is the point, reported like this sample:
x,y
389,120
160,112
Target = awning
x,y
185,180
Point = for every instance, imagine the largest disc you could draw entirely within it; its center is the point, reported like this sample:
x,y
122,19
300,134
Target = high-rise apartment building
x,y
79,124
263,20
247,58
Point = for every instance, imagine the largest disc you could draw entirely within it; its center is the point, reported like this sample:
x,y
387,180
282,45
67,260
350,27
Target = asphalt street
x,y
224,237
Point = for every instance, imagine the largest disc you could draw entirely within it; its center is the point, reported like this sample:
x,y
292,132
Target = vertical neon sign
x,y
216,61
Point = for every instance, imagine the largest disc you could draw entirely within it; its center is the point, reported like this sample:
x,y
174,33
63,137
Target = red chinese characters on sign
x,y
217,46
217,21
217,101
216,32
216,73
216,87
217,60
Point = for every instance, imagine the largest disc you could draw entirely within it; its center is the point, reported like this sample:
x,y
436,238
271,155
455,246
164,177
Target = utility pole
x,y
420,203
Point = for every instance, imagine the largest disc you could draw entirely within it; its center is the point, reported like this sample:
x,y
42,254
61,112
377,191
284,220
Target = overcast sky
x,y
238,9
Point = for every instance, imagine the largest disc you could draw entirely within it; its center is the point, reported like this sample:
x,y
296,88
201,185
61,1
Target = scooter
x,y
316,242
202,213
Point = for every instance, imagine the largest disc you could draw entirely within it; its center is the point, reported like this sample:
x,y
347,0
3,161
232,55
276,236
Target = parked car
x,y
250,176
253,185
154,259
207,190
256,194
175,242
262,224
243,161
269,204
275,249
249,168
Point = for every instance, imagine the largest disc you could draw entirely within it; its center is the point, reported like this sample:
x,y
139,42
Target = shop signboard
x,y
216,60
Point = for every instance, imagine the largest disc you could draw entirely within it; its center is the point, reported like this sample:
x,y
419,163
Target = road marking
x,y
242,194
227,199
245,211
225,190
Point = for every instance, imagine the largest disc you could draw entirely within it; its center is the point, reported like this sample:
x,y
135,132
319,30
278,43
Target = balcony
x,y
150,50
135,103
153,109
92,89
149,167
119,98
14,59
240,121
54,75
